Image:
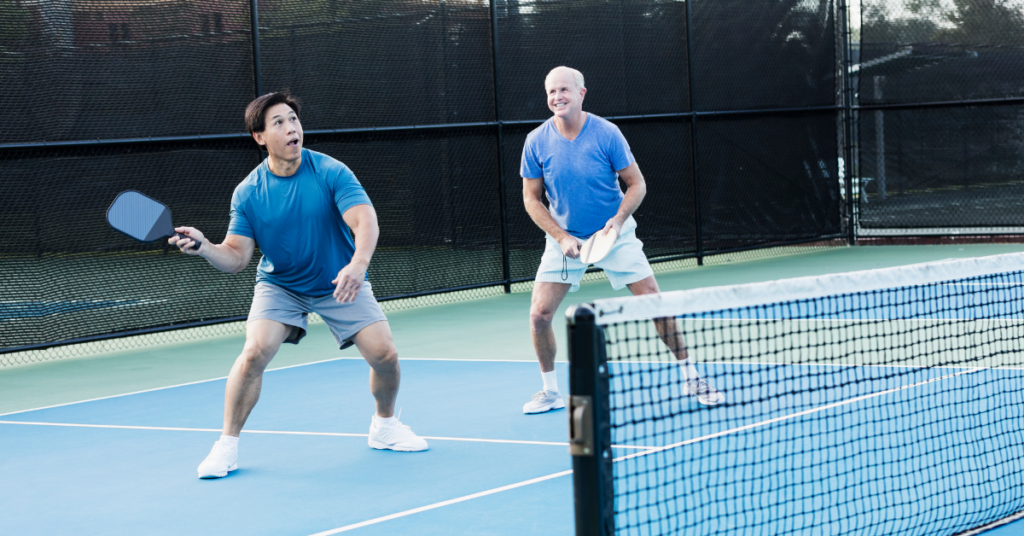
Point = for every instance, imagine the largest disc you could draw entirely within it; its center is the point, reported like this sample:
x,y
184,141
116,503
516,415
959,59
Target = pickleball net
x,y
877,402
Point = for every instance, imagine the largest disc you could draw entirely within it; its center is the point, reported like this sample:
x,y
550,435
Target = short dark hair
x,y
256,111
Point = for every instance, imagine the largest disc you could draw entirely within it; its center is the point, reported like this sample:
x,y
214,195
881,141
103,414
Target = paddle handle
x,y
195,246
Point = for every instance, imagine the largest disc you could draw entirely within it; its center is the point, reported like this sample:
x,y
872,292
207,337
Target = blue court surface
x,y
126,464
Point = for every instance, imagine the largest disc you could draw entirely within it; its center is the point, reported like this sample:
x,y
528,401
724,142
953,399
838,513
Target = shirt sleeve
x,y
618,150
239,222
531,167
348,192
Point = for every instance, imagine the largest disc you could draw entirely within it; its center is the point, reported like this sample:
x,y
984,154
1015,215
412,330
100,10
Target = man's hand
x,y
570,246
349,281
185,244
613,223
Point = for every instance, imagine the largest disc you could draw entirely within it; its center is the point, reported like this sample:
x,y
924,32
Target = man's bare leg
x,y
378,349
667,328
545,301
263,338
670,333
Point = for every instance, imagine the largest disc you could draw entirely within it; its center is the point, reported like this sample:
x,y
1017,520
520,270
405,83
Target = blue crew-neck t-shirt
x,y
580,176
297,223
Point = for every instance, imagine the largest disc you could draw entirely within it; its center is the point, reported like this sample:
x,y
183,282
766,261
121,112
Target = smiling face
x,y
565,97
282,133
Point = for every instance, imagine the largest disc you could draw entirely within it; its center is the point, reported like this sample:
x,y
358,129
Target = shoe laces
x,y
700,387
397,424
540,395
704,388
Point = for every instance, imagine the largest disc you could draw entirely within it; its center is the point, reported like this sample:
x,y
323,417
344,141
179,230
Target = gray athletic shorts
x,y
344,319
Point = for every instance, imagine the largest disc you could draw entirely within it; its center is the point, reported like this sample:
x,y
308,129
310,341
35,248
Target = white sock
x,y
689,371
550,381
385,420
229,441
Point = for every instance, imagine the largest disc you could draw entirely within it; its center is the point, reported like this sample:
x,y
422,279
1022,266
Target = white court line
x,y
268,370
161,388
650,450
791,416
281,432
998,523
442,503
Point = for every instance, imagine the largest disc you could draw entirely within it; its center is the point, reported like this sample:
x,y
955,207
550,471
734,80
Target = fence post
x,y
254,20
693,134
847,79
505,265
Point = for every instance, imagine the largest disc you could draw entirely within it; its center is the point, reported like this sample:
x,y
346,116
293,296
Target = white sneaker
x,y
543,401
394,436
220,462
705,393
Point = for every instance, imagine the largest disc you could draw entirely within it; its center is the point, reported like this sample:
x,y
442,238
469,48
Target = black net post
x,y
589,427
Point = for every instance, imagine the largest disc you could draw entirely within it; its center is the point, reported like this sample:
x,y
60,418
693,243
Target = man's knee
x,y
541,317
648,285
257,353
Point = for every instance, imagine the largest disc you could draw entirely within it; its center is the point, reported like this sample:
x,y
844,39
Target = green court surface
x,y
495,327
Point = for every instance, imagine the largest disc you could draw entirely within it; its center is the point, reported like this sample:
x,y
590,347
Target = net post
x,y
589,424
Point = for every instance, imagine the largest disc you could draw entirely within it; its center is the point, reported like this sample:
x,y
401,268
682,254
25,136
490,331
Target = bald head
x,y
563,71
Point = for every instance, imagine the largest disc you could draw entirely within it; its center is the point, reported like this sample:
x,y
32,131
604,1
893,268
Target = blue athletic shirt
x,y
296,221
580,176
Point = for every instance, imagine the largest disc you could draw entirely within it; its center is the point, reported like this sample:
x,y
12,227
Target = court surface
x,y
117,451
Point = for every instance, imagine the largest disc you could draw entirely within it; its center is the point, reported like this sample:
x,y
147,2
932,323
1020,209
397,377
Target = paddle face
x,y
142,218
598,246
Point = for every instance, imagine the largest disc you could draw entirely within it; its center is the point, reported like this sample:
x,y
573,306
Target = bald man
x,y
577,159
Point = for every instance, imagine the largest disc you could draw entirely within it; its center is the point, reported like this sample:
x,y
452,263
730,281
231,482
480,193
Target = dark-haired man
x,y
577,159
300,206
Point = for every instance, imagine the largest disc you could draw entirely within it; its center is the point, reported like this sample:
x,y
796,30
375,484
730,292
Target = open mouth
x,y
294,142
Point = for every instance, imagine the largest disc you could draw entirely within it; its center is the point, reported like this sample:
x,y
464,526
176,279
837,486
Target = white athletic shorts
x,y
625,263
344,319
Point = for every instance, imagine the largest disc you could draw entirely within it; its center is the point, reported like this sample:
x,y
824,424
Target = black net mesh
x,y
892,411
932,51
64,274
437,206
662,151
632,54
755,55
78,70
957,167
951,166
767,179
382,63
103,77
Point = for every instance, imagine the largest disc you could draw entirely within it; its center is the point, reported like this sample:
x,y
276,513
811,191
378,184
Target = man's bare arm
x,y
533,192
362,219
231,256
636,190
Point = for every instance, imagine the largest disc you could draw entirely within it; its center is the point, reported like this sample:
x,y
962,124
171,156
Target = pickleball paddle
x,y
598,246
142,218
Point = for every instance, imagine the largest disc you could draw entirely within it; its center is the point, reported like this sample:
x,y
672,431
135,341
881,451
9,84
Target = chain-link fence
x,y
731,108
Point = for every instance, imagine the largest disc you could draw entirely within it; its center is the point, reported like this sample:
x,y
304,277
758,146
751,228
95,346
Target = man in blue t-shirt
x,y
577,159
317,230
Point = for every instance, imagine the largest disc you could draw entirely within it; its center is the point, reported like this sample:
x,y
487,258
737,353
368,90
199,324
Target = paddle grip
x,y
195,246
